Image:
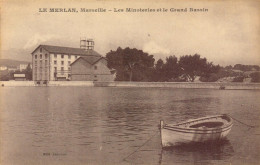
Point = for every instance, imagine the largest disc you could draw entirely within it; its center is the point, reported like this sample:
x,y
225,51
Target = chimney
x,y
87,44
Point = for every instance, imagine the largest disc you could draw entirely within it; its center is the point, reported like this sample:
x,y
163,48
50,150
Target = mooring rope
x,y
252,126
140,146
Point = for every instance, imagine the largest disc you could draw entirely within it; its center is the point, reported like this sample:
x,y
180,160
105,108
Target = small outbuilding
x,y
91,68
19,77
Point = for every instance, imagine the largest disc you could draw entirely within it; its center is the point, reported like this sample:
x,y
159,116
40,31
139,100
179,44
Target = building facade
x,y
91,69
52,63
22,67
19,77
3,67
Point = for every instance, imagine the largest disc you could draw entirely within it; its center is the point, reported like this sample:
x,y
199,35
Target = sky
x,y
228,34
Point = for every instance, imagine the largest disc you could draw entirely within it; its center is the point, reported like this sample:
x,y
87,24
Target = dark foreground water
x,y
87,125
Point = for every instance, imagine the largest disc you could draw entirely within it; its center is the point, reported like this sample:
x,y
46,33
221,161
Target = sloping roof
x,y
68,50
90,59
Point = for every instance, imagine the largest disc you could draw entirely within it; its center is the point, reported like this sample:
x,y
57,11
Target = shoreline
x,y
191,85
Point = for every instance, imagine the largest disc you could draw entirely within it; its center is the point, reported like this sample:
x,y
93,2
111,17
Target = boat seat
x,y
207,125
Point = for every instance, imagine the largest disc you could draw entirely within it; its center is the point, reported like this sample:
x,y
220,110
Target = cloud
x,y
153,48
37,39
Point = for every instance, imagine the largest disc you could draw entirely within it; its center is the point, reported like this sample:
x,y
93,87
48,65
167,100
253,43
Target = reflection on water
x,y
198,152
85,125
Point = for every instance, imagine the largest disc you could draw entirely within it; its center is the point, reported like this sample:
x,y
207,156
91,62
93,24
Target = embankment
x,y
50,83
17,83
180,85
217,85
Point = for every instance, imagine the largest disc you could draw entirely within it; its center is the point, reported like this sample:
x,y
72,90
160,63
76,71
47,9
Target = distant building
x,y
12,68
22,67
19,77
91,68
51,63
3,67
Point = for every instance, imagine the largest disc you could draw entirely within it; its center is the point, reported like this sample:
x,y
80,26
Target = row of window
x,y
40,69
62,62
55,62
46,68
62,69
55,56
46,63
62,56
46,56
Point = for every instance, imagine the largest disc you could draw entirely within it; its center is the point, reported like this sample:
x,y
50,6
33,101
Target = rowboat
x,y
210,128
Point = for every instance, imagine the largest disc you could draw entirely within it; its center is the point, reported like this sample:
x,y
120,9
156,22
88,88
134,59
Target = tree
x,y
28,72
159,64
255,77
158,71
171,68
130,64
246,67
192,66
238,79
229,67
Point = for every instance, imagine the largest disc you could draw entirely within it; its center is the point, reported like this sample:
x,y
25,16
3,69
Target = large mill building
x,y
52,63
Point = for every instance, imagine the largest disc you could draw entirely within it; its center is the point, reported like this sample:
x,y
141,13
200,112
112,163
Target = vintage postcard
x,y
129,82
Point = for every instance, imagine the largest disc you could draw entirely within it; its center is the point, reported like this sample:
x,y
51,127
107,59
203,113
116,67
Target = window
x,y
40,56
40,49
69,56
55,55
76,57
55,69
95,76
62,56
35,63
46,55
46,62
62,62
35,56
69,62
62,70
69,68
55,62
95,67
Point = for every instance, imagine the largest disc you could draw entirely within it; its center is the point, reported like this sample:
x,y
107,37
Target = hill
x,y
12,63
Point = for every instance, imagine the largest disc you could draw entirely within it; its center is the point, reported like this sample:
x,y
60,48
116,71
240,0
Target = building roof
x,y
68,50
90,59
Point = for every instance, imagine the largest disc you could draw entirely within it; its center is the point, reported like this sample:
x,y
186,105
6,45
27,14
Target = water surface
x,y
87,125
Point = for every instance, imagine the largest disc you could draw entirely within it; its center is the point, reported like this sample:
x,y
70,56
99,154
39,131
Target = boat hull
x,y
172,136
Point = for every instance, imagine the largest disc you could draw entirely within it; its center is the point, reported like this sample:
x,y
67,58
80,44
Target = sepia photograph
x,y
123,82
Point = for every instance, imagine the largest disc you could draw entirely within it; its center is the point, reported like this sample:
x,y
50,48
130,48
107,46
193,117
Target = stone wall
x,y
180,85
50,83
233,86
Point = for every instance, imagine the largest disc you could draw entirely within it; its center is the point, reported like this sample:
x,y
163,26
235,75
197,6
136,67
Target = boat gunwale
x,y
199,131
177,125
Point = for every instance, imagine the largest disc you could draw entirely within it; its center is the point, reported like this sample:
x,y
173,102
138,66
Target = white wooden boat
x,y
203,129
